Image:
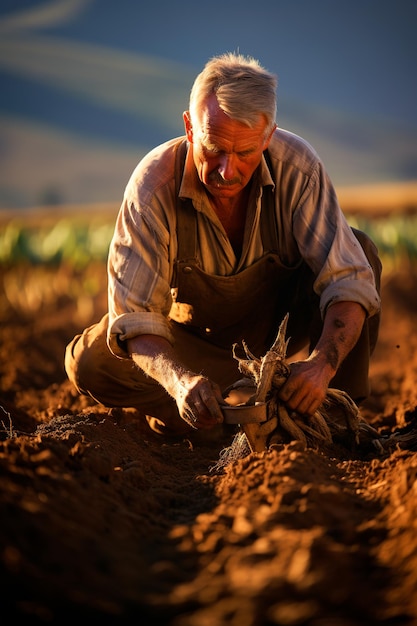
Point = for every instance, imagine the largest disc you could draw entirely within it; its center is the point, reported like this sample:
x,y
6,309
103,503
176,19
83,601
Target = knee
x,y
84,354
70,362
78,364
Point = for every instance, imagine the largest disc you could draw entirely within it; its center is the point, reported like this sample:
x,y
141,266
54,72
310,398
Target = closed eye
x,y
245,153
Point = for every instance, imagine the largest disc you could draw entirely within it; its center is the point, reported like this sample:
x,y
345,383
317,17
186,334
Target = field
x,y
101,519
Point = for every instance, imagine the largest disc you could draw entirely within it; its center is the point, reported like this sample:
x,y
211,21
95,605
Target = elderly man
x,y
220,234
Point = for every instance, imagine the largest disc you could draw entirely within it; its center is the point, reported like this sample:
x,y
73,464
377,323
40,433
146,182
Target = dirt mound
x,y
101,518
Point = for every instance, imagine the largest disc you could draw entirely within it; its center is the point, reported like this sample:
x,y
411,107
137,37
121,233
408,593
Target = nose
x,y
226,167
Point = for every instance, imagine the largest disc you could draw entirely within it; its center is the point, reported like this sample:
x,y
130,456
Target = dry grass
x,y
380,199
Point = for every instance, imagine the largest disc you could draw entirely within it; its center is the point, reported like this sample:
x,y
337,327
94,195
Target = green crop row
x,y
76,243
79,242
394,236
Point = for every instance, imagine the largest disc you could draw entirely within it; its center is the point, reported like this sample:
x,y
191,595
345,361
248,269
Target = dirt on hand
x,y
102,518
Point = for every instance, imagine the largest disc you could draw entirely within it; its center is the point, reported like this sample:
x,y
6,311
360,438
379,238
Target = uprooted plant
x,y
337,420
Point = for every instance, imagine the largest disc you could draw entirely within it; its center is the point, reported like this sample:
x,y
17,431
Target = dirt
x,y
101,518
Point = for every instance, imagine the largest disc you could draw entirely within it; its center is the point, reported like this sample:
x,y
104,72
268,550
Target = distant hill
x,y
89,86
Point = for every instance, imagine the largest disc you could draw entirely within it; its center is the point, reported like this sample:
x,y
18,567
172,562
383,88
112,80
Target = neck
x,y
232,215
230,209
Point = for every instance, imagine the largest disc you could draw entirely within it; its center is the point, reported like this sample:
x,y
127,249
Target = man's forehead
x,y
215,126
229,143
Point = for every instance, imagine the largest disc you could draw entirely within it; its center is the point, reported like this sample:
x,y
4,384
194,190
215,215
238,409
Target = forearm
x,y
155,356
307,385
342,327
198,399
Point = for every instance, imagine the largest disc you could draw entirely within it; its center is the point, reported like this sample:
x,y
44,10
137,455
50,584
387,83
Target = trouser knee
x,y
95,372
81,359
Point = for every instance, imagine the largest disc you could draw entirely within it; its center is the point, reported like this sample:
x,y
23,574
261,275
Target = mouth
x,y
218,181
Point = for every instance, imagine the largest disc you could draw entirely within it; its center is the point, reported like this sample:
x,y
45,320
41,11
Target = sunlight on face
x,y
226,152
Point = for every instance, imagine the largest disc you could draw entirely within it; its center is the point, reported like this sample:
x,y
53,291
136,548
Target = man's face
x,y
226,152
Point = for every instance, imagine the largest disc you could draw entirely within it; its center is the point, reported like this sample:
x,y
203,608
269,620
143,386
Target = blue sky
x,y
89,85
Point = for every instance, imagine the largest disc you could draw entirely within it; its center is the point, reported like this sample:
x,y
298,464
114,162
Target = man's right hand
x,y
198,399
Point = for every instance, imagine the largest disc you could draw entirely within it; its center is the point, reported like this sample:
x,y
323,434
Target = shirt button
x,y
187,269
208,330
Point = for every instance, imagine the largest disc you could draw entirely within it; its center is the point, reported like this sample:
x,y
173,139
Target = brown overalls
x,y
220,311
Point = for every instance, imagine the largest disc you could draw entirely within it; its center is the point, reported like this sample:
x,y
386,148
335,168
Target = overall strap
x,y
269,224
186,219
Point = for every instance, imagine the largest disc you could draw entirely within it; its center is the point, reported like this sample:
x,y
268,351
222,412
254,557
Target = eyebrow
x,y
215,148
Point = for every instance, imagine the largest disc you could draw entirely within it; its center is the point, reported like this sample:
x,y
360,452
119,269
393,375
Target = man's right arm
x,y
197,397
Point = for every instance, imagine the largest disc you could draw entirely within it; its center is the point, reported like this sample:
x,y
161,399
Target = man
x,y
219,235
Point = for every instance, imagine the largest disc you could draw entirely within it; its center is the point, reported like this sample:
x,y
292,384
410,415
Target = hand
x,y
306,387
198,400
308,382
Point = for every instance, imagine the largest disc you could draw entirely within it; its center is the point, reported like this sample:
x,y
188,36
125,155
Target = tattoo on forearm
x,y
333,355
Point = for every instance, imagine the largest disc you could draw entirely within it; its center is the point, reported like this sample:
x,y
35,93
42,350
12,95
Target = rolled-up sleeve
x,y
328,245
139,271
346,275
129,325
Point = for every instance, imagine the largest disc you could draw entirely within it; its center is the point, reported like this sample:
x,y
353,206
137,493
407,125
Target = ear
x,y
268,139
188,126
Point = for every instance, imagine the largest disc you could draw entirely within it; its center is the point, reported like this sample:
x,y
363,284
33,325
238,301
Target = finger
x,y
211,403
213,408
199,414
191,418
309,402
299,401
288,395
306,407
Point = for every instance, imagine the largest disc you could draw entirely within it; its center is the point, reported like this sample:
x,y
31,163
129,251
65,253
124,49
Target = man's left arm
x,y
308,382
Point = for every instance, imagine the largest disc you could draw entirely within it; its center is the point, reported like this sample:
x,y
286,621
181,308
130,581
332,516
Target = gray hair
x,y
244,89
